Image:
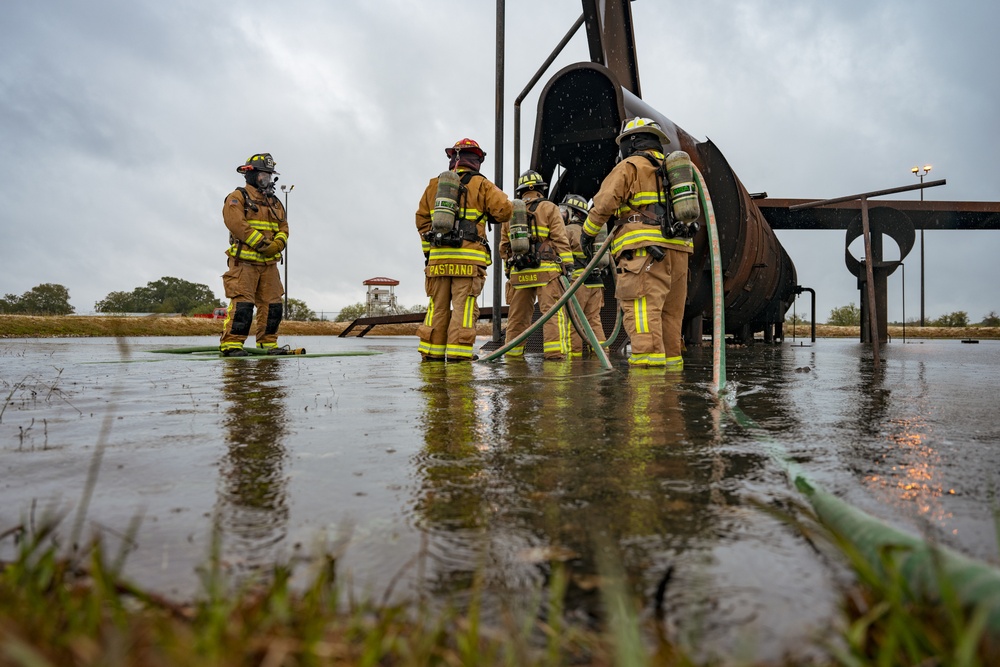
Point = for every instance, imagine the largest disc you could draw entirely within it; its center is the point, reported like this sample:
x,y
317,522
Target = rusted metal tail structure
x,y
580,112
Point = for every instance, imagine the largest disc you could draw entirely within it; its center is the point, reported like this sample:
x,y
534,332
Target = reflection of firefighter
x,y
536,251
591,297
651,241
451,220
452,495
258,232
253,507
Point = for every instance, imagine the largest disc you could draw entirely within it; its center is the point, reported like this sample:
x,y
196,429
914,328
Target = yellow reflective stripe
x,y
470,214
515,351
425,246
251,255
231,345
263,225
469,313
565,331
638,360
266,346
675,363
281,235
549,266
429,317
591,228
552,346
645,236
467,254
254,238
641,315
646,199
432,350
459,350
566,257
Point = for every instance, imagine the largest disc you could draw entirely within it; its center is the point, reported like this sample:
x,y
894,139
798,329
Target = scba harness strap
x,y
467,230
250,205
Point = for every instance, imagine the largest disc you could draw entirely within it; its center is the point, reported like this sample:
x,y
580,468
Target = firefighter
x,y
650,251
456,251
258,232
534,275
591,296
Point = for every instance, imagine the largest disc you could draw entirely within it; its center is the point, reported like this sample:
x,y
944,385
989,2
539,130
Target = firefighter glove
x,y
273,248
567,270
587,244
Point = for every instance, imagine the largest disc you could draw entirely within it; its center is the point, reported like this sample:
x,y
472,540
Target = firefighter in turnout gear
x,y
650,247
591,296
534,258
451,221
258,232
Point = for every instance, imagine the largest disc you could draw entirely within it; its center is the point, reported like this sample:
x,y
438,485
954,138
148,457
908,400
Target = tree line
x,y
174,295
850,315
166,295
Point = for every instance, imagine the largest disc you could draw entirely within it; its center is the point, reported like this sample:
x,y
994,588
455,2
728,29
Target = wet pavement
x,y
421,475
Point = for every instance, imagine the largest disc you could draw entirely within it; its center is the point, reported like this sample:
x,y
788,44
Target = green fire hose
x,y
581,322
718,298
929,570
570,291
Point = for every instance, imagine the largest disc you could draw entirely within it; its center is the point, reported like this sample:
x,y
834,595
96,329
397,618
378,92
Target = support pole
x,y
498,170
870,275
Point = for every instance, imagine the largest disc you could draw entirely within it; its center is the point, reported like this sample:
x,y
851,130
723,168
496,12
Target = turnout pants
x,y
651,295
249,285
591,301
555,332
449,328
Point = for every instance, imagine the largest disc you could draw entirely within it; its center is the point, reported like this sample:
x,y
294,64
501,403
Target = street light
x,y
286,189
920,174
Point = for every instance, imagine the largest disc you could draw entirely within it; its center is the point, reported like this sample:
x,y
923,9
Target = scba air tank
x,y
445,202
683,192
519,234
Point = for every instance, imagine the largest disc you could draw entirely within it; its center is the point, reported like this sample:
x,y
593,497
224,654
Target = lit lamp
x,y
920,174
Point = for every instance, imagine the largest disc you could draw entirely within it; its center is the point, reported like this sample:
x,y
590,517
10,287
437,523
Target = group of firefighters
x,y
541,243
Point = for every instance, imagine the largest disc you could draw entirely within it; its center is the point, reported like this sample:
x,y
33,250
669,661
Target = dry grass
x,y
895,333
29,326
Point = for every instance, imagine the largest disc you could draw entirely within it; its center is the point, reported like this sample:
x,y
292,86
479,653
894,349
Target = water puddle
x,y
421,475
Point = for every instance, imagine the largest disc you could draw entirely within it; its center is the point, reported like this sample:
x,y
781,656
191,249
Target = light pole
x,y
920,174
288,188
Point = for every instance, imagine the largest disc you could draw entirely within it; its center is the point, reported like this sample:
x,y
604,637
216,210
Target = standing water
x,y
421,476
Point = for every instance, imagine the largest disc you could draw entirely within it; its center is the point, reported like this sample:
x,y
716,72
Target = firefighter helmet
x,y
531,180
260,162
576,202
639,125
465,145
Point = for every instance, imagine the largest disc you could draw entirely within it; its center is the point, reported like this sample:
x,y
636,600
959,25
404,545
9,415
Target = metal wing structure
x,y
580,112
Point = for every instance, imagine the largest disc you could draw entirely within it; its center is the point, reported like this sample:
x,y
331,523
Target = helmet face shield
x,y
263,179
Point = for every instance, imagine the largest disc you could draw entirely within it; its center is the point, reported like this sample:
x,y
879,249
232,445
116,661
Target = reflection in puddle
x,y
499,471
252,506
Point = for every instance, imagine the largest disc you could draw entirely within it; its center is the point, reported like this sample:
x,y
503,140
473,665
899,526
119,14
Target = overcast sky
x,y
122,123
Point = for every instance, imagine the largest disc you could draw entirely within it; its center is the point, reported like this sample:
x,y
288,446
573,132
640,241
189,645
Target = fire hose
x,y
930,570
570,291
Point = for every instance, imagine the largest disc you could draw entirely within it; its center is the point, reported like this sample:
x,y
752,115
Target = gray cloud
x,y
123,124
